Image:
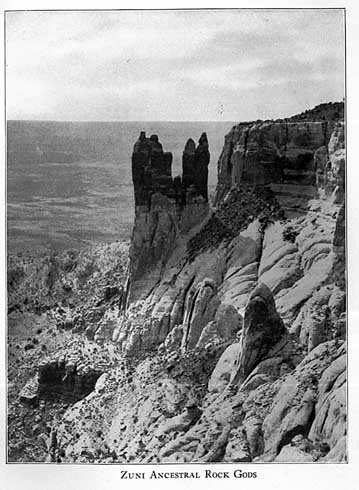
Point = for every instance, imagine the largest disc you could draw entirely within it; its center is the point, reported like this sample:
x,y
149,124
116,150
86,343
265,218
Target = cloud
x,y
171,64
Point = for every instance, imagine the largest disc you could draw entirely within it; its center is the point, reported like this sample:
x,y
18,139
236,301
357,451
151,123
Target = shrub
x,y
289,234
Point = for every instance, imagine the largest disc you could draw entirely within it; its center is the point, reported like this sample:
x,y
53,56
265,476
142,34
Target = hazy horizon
x,y
120,120
70,183
156,120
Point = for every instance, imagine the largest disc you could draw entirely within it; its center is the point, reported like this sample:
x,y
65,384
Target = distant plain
x,y
69,183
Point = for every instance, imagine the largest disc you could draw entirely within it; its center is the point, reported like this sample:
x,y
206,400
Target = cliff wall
x,y
165,206
235,320
288,156
278,199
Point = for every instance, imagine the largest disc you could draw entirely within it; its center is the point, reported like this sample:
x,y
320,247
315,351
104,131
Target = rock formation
x,y
291,156
274,223
195,169
233,332
262,329
70,376
164,206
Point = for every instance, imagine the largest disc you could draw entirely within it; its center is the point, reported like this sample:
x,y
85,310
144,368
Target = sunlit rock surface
x,y
232,322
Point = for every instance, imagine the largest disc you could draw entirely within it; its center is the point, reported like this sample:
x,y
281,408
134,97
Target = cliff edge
x,y
232,324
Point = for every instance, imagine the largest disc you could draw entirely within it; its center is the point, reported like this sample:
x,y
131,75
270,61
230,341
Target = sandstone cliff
x,y
233,326
278,210
164,206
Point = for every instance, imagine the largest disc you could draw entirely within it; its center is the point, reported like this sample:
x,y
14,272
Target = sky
x,y
218,65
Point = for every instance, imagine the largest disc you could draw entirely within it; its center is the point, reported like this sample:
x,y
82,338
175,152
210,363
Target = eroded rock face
x,y
301,450
63,378
153,414
163,206
271,153
151,170
317,320
262,329
69,375
222,373
276,225
195,163
282,153
202,304
253,296
339,235
294,408
329,424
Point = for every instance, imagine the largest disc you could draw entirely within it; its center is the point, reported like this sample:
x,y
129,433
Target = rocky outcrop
x,y
329,425
301,450
234,322
294,408
339,234
237,448
222,373
164,206
262,329
202,304
255,233
153,414
195,163
281,224
294,156
152,171
270,153
318,319
69,375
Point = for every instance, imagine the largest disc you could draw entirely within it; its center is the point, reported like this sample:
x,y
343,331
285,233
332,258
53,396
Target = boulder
x,y
262,329
237,449
293,454
180,422
301,450
229,320
29,395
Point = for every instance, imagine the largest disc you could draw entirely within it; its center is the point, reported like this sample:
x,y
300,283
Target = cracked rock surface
x,y
223,338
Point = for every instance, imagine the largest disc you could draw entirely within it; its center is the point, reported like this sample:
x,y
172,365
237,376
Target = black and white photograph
x,y
176,239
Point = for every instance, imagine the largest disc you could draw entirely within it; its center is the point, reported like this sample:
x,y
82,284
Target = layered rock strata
x,y
289,236
295,158
238,331
164,206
